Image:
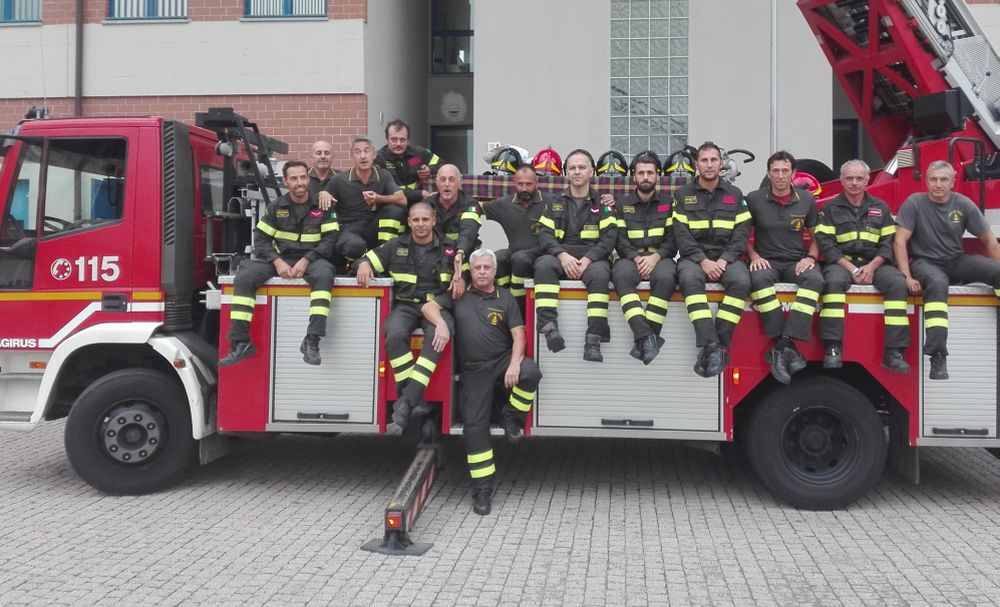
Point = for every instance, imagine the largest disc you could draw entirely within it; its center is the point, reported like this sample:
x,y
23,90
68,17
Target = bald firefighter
x,y
489,331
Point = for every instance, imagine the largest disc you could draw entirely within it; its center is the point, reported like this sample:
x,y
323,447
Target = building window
x,y
285,8
649,75
20,11
147,9
451,37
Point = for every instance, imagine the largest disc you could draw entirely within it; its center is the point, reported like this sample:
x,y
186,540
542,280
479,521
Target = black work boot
x,y
892,360
482,491
650,347
701,362
794,360
779,368
939,366
237,352
553,339
718,356
512,430
401,413
310,350
833,355
592,349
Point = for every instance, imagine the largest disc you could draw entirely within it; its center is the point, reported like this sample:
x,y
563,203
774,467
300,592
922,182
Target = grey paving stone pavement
x,y
574,522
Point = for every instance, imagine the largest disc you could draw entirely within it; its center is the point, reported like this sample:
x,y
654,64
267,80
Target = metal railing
x,y
20,11
147,9
285,8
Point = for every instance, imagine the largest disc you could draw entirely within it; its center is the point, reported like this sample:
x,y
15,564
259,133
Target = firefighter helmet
x,y
505,160
547,162
612,164
806,181
646,156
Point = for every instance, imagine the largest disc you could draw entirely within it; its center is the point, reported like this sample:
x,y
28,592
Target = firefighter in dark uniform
x,y
420,264
577,235
933,225
711,226
518,214
646,252
370,207
782,215
855,234
293,239
490,333
457,215
322,167
411,166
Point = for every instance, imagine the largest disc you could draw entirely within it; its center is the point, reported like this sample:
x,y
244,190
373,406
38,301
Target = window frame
x,y
7,9
151,9
287,8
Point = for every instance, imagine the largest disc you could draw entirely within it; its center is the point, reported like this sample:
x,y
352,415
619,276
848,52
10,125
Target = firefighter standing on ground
x,y
421,268
490,333
711,226
646,252
933,224
855,234
518,214
781,216
293,239
577,234
411,166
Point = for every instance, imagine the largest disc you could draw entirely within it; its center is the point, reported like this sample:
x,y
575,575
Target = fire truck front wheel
x,y
129,433
817,445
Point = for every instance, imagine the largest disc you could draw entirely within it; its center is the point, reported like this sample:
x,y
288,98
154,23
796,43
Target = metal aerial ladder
x,y
888,53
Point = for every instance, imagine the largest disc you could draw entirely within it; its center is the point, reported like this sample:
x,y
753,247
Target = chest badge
x,y
402,252
494,316
281,213
797,222
690,200
955,216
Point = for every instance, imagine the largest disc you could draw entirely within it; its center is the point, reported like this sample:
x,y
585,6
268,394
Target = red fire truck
x,y
118,239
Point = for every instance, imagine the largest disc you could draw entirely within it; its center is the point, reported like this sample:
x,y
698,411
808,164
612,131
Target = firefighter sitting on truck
x,y
711,226
411,166
646,250
490,334
781,217
518,215
855,233
322,167
932,225
369,204
456,213
293,239
420,264
577,234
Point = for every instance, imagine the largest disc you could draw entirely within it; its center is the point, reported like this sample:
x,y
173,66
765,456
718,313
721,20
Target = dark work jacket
x,y
711,225
645,227
860,236
279,234
598,228
395,258
404,168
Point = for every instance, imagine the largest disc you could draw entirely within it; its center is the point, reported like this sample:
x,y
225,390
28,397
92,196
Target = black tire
x,y
818,444
129,433
815,168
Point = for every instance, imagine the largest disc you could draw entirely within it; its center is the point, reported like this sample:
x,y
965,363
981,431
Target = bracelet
x,y
856,271
811,257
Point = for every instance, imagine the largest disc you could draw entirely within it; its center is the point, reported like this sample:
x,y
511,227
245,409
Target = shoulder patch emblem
x,y
402,252
628,208
690,200
728,200
663,208
558,206
281,213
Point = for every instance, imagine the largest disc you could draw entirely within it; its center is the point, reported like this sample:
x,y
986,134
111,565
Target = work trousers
x,y
625,276
736,283
934,278
890,283
799,323
255,272
480,384
515,267
412,375
359,236
548,272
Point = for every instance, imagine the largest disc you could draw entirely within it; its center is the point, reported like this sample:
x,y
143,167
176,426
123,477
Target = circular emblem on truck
x,y
61,269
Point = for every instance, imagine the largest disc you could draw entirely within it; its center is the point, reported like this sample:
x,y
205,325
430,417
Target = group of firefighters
x,y
446,285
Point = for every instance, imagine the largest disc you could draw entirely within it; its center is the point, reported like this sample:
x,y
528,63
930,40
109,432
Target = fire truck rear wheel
x,y
817,445
129,433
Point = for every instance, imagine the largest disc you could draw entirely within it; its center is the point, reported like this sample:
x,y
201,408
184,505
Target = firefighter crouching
x,y
293,239
646,252
420,264
855,234
490,335
577,234
711,225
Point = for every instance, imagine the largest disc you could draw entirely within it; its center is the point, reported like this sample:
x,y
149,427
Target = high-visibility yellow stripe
x,y
321,295
825,229
681,217
239,300
483,472
282,235
266,228
310,237
404,277
518,292
434,159
887,231
375,261
478,458
236,315
589,234
546,303
598,297
658,302
734,302
330,227
831,313
620,223
597,313
656,231
847,237
444,276
427,363
696,299
401,360
637,234
654,317
390,223
386,236
935,322
523,393
547,222
767,306
890,304
699,315
629,298
762,293
417,375
868,236
901,321
807,293
519,405
803,308
547,288
742,217
698,224
935,306
830,298
473,216
633,312
723,224
605,223
319,311
729,317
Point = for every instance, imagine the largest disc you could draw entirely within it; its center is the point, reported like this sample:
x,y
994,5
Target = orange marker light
x,y
736,376
394,520
36,364
381,368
